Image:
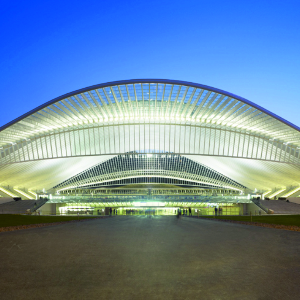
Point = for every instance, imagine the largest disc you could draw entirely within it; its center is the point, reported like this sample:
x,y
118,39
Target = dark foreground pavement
x,y
130,257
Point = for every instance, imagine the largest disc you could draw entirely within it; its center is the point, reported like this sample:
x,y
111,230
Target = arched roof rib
x,y
176,138
165,81
139,115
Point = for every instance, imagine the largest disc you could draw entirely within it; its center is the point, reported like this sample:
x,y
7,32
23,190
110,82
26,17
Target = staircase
x,y
281,206
21,207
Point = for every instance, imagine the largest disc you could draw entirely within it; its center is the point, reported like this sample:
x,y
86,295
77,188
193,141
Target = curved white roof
x,y
208,125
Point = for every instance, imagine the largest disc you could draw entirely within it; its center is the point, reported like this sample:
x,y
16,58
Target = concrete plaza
x,y
138,257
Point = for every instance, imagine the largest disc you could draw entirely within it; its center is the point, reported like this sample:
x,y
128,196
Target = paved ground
x,y
130,257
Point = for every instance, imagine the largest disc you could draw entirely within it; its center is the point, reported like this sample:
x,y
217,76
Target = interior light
x,y
276,193
7,192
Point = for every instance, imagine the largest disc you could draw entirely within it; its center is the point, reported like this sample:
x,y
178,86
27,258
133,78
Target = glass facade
x,y
139,209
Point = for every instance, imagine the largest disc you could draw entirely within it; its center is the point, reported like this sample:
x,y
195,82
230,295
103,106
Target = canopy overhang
x,y
73,132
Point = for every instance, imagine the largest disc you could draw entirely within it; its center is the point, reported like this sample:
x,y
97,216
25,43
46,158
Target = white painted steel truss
x,y
147,116
146,166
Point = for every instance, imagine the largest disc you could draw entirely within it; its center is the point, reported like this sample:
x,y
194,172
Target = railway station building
x,y
149,145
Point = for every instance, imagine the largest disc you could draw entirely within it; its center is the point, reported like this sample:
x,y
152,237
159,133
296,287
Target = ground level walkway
x,y
140,257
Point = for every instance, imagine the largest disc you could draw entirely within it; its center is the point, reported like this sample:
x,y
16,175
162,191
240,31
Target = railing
x,y
257,203
39,204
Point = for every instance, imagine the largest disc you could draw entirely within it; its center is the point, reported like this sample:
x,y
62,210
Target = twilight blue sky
x,y
249,48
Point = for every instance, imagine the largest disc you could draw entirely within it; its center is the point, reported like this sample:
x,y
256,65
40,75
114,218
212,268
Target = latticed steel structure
x,y
134,168
227,133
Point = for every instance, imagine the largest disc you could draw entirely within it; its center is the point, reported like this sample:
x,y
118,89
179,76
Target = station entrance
x,y
135,209
139,211
205,210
